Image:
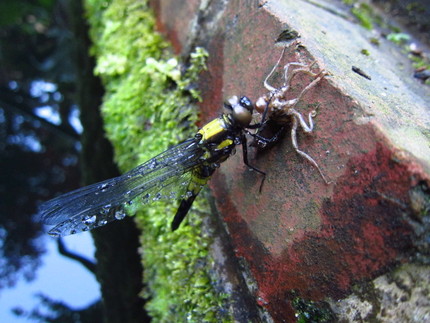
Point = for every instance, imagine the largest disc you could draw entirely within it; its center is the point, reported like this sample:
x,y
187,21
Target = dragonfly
x,y
180,173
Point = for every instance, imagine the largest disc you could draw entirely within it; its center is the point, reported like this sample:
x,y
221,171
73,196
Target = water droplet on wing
x,y
119,215
157,197
102,222
105,209
89,219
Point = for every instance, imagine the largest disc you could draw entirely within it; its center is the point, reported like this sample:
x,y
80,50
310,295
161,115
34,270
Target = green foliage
x,y
398,38
363,13
348,2
148,106
19,11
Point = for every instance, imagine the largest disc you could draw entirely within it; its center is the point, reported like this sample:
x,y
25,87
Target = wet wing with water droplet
x,y
162,177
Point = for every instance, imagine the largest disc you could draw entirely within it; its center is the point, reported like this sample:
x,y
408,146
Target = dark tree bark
x,y
87,263
119,270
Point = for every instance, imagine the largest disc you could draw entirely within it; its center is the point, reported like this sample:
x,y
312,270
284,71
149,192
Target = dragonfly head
x,y
240,110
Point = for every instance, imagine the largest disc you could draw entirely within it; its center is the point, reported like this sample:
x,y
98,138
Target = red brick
x,y
300,234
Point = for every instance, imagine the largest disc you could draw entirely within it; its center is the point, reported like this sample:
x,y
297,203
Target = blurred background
x,y
41,279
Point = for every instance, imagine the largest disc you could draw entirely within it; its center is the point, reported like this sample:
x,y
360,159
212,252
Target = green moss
x,y
365,52
147,108
312,312
363,13
348,2
374,41
420,62
399,38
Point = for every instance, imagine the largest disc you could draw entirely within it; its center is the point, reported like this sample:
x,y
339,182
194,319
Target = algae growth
x,y
147,108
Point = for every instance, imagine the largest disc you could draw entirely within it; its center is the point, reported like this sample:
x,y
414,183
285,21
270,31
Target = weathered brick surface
x,y
299,236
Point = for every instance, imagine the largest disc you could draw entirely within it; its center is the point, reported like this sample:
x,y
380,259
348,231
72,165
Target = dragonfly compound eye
x,y
246,103
240,110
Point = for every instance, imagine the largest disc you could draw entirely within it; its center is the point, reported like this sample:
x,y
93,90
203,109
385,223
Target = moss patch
x,y
147,108
312,312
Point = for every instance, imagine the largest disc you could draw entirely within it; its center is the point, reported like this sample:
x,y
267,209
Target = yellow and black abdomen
x,y
218,142
199,178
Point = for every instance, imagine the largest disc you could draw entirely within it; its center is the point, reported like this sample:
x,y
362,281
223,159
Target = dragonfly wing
x,y
97,204
77,224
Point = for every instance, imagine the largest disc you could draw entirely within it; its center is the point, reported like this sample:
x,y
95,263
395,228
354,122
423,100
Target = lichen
x,y
149,106
401,295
